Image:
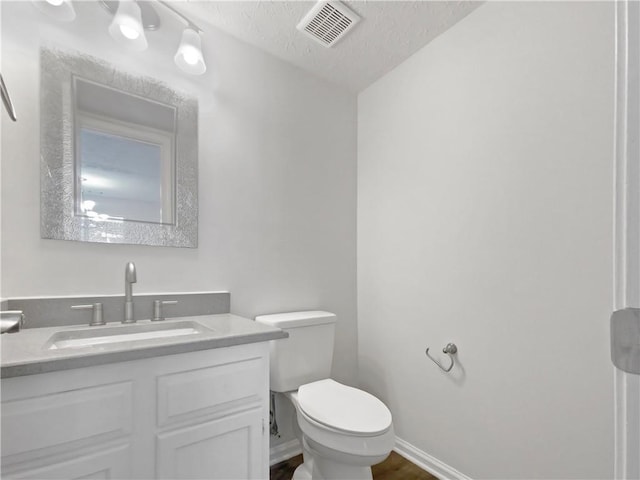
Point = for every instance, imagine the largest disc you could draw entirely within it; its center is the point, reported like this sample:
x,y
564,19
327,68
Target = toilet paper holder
x,y
450,349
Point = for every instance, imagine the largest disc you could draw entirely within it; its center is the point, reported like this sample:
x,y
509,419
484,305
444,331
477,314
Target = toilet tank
x,y
307,354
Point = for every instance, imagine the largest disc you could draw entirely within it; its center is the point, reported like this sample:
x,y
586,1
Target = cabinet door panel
x,y
225,449
87,415
187,394
112,463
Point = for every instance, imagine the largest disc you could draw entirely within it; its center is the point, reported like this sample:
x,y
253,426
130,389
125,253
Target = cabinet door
x,y
109,463
39,426
224,449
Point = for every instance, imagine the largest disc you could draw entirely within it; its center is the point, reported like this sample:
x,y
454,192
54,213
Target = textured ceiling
x,y
390,32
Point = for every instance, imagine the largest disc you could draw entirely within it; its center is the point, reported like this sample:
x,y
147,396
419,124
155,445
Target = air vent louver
x,y
328,22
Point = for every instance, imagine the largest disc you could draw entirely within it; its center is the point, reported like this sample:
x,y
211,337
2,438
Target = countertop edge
x,y
102,358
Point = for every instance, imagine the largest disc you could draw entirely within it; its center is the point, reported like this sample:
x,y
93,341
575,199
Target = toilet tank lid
x,y
297,319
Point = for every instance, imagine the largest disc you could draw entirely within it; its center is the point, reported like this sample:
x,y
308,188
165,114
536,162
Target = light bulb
x,y
129,32
88,205
190,56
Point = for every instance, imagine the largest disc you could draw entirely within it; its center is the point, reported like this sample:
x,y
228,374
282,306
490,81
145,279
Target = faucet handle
x,y
96,318
157,308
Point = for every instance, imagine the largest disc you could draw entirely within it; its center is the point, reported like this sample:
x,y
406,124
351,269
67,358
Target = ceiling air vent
x,y
328,22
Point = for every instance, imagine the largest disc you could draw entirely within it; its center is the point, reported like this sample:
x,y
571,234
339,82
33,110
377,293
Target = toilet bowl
x,y
346,430
343,430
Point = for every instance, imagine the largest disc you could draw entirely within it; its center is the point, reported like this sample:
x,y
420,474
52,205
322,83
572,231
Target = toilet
x,y
343,430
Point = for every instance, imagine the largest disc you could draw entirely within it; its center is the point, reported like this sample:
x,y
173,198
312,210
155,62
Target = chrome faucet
x,y
129,278
11,321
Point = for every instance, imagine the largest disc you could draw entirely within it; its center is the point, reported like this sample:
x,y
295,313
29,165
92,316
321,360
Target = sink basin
x,y
94,336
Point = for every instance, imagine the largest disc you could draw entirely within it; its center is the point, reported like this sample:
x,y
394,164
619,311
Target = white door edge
x,y
627,225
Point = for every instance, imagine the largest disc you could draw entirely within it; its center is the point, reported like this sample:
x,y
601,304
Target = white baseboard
x,y
427,462
284,451
290,449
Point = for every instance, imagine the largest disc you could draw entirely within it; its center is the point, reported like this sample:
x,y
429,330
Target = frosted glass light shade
x,y
59,9
126,27
189,55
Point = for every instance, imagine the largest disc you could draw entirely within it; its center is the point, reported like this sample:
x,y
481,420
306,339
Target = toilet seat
x,y
343,409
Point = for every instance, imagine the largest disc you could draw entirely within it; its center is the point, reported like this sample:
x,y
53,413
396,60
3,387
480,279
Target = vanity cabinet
x,y
200,415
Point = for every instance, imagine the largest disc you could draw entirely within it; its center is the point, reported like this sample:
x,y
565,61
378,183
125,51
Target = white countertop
x,y
28,352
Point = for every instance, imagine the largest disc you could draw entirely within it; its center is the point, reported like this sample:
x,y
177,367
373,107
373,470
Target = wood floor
x,y
394,467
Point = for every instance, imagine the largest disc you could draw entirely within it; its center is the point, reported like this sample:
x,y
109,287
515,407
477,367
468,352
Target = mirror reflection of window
x,y
124,156
120,178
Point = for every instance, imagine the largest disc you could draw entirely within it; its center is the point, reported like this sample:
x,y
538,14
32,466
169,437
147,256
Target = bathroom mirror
x,y
118,155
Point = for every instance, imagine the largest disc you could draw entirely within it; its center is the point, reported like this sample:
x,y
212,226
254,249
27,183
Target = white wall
x,y
277,198
485,219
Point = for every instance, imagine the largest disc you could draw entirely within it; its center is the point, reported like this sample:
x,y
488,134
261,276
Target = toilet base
x,y
329,464
302,473
315,466
332,471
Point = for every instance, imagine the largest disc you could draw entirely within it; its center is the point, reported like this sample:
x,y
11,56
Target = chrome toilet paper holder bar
x,y
6,99
450,349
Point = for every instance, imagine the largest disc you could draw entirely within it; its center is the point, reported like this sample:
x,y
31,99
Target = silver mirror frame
x,y
57,164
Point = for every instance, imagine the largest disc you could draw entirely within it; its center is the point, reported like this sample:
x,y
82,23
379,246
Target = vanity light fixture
x,y
130,20
126,27
189,55
59,9
129,27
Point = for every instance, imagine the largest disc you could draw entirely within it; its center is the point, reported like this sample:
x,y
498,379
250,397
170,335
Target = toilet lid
x,y
344,408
